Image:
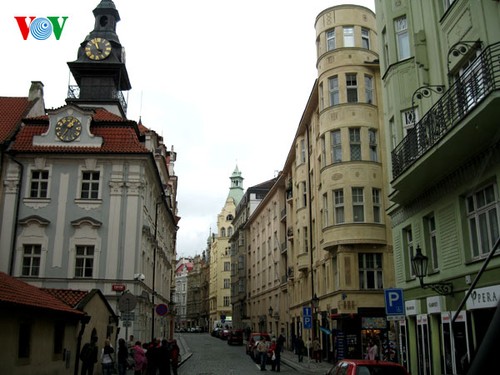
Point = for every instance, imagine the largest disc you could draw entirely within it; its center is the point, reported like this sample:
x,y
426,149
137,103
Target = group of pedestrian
x,y
270,352
154,358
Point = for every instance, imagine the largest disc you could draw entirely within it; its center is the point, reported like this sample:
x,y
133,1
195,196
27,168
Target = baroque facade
x,y
89,196
441,75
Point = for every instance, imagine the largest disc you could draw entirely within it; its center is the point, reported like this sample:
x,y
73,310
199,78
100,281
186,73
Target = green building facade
x,y
440,67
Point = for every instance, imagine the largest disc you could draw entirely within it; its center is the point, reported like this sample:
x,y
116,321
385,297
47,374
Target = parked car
x,y
254,338
235,337
366,367
224,334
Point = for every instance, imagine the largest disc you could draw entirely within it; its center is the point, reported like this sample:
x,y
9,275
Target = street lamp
x,y
419,264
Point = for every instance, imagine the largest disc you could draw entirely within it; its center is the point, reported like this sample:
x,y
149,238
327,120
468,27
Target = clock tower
x,y
99,69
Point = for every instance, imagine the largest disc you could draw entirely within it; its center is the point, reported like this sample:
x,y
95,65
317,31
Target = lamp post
x,y
419,264
314,305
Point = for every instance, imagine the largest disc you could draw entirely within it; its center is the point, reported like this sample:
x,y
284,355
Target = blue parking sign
x,y
394,301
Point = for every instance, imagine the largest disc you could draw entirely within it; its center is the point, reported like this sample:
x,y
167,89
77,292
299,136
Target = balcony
x,y
303,261
462,123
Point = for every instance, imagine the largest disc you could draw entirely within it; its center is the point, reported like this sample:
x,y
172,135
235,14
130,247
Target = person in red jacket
x,y
175,356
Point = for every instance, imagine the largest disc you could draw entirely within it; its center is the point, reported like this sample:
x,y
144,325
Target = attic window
x,y
103,21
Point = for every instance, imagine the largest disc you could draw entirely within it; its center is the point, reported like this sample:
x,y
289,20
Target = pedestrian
x,y
140,360
262,350
372,352
316,350
107,358
88,356
123,357
164,358
175,356
152,356
280,343
300,348
271,353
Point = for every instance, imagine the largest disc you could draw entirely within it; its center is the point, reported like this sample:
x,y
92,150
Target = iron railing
x,y
480,79
74,93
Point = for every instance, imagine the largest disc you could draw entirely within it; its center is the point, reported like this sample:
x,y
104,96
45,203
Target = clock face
x,y
98,49
68,128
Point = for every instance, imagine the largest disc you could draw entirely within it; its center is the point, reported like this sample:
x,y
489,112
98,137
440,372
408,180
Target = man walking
x,y
262,349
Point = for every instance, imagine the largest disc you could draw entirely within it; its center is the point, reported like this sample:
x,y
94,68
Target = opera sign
x,y
483,298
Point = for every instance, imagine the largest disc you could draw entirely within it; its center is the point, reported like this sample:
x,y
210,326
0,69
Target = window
x,y
430,228
365,38
227,266
408,238
305,239
23,345
348,36
376,205
90,185
31,260
369,89
223,232
84,265
227,283
325,210
304,194
370,271
302,151
226,301
448,3
402,37
321,97
352,87
482,215
338,206
410,117
39,184
229,231
323,151
336,146
372,134
333,85
355,143
358,214
330,40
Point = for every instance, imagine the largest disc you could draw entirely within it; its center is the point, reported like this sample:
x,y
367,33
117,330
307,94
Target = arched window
x,y
223,232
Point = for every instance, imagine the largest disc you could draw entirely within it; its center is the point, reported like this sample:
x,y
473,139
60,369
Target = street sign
x,y
129,316
162,309
394,301
127,302
307,313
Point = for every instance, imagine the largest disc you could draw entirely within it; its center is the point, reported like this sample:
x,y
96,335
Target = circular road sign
x,y
162,309
127,302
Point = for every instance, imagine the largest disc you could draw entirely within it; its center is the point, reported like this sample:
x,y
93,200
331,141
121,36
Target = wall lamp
x,y
315,302
419,264
271,312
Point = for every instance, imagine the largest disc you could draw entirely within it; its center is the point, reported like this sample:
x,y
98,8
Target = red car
x,y
366,367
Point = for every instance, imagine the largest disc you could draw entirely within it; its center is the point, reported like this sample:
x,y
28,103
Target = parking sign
x,y
394,301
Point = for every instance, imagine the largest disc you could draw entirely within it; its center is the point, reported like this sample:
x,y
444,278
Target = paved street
x,y
203,354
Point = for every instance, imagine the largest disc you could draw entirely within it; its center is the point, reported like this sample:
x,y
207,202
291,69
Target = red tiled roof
x,y
12,110
116,139
16,292
68,296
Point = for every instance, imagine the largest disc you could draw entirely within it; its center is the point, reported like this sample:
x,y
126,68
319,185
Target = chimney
x,y
36,96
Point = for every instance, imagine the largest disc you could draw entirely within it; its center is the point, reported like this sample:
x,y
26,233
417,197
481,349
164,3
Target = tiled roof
x,y
116,139
68,296
12,110
16,292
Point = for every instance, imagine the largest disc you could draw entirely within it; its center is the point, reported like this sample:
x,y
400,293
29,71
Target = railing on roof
x,y
480,79
74,93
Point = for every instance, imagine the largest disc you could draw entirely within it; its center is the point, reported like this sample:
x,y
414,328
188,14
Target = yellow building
x,y
220,256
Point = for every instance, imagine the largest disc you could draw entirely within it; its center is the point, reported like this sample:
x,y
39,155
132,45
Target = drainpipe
x,y
313,292
16,216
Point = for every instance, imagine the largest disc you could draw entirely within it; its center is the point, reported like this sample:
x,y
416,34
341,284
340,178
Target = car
x,y
224,334
366,367
254,338
235,337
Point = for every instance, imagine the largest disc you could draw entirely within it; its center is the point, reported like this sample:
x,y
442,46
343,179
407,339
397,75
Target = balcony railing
x,y
74,93
480,79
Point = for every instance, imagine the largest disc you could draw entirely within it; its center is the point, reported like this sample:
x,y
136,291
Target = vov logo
x,y
41,28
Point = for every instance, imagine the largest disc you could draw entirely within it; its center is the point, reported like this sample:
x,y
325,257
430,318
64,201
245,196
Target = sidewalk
x,y
184,350
308,366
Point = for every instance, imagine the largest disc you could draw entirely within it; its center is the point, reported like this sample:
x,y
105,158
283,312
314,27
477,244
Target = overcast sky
x,y
223,81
